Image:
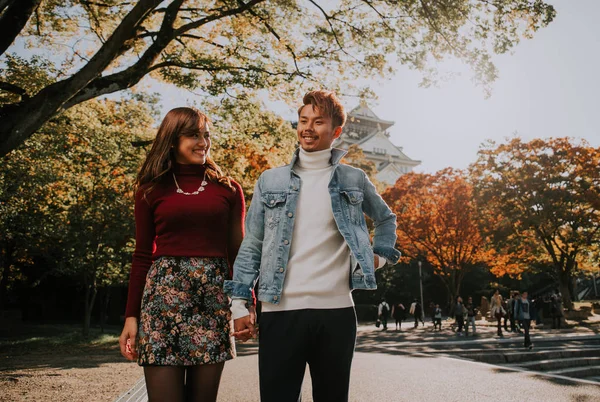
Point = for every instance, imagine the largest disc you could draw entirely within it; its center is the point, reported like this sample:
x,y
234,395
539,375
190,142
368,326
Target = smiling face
x,y
193,146
315,130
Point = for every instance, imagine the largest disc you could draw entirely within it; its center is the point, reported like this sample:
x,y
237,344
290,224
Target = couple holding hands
x,y
306,246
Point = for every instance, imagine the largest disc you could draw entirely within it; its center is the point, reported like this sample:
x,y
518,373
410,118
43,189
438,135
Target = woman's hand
x,y
245,327
127,339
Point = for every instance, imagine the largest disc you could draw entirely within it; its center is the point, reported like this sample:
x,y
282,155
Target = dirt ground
x,y
64,372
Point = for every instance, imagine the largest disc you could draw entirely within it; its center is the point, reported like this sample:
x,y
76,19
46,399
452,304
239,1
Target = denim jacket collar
x,y
336,156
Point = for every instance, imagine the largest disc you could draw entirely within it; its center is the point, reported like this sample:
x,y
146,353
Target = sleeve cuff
x,y
389,253
382,262
239,309
238,290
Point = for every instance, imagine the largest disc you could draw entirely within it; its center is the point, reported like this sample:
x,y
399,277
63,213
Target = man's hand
x,y
376,261
244,327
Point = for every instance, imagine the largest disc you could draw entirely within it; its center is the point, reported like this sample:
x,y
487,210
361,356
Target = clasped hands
x,y
245,328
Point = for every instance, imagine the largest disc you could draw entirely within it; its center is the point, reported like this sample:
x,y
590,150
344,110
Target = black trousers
x,y
526,326
460,321
323,339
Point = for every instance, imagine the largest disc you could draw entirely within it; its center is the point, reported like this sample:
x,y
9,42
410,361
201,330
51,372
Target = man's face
x,y
524,295
316,131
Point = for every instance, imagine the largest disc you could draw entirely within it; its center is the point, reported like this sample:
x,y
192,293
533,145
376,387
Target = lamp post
x,y
421,288
595,287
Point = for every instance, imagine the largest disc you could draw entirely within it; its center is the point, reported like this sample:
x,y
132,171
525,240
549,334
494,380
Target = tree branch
x,y
13,19
132,75
8,87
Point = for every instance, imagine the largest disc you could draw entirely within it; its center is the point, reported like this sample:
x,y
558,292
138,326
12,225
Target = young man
x,y
471,315
383,311
525,312
437,317
515,325
308,246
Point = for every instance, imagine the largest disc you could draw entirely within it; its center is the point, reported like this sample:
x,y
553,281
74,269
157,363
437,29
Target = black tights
x,y
179,384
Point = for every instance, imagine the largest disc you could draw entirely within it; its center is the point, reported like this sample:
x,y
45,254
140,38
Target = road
x,y
421,365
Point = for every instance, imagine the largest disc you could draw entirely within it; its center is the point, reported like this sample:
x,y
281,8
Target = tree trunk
x,y
104,301
19,121
90,297
6,260
565,288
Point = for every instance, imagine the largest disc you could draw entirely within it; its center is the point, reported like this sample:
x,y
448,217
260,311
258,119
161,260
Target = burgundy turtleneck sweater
x,y
210,224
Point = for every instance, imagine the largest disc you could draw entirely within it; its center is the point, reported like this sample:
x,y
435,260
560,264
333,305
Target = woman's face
x,y
193,146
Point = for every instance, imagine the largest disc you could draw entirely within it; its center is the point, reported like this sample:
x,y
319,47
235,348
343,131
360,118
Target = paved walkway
x,y
390,366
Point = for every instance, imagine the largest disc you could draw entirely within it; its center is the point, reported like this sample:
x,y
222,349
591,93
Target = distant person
x,y
189,220
471,315
497,310
416,311
459,315
510,308
556,311
505,316
538,303
399,314
383,312
513,314
525,312
437,317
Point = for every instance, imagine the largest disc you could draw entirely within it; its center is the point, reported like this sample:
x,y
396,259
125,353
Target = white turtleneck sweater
x,y
318,269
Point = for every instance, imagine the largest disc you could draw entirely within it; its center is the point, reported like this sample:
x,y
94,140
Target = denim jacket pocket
x,y
354,199
274,203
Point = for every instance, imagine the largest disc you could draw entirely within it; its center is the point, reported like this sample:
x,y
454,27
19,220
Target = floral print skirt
x,y
185,318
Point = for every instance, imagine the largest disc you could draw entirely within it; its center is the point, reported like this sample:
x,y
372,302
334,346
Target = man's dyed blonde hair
x,y
328,104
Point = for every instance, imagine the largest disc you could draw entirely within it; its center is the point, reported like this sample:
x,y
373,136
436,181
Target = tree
x,y
101,47
356,157
437,223
541,199
79,172
248,139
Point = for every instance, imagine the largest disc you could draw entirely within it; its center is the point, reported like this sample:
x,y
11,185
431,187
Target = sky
x,y
548,87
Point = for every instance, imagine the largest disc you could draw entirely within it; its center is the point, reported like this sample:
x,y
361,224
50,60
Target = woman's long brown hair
x,y
159,161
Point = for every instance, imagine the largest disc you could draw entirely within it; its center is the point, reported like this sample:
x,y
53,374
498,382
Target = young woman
x,y
497,310
189,226
399,314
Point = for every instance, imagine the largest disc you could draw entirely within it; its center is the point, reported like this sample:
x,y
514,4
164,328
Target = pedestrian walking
x,y
399,314
556,311
505,316
383,312
526,312
189,220
497,310
437,317
471,315
308,246
459,315
513,314
415,310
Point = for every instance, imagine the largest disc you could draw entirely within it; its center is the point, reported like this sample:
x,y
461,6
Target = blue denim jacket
x,y
265,250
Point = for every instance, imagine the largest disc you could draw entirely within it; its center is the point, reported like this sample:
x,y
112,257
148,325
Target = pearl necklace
x,y
200,189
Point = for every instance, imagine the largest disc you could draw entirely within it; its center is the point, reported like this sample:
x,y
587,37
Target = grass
x,y
36,336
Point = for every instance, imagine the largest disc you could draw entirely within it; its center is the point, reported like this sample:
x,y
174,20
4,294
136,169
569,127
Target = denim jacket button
x,y
274,297
286,242
280,269
272,201
294,188
290,214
